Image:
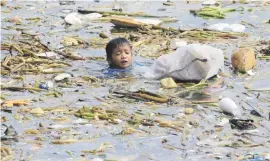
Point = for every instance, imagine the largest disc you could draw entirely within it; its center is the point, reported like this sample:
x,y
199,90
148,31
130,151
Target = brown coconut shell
x,y
243,59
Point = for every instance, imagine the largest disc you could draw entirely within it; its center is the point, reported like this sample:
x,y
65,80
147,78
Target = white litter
x,y
229,106
62,76
79,19
227,27
176,43
191,62
148,21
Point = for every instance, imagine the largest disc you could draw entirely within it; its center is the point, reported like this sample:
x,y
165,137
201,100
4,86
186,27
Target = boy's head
x,y
119,53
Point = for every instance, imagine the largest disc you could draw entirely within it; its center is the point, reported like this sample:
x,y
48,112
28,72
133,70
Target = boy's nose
x,y
123,56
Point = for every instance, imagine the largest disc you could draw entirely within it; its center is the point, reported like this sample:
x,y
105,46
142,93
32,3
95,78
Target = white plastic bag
x,y
79,19
193,62
227,27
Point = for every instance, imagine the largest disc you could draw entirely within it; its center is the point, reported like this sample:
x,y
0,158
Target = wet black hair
x,y
113,44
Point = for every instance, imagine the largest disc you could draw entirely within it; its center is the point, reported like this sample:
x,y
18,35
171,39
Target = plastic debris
x,y
227,27
168,83
148,21
11,103
189,111
192,62
80,19
37,111
229,106
223,122
48,55
47,85
176,43
117,8
62,76
242,124
209,3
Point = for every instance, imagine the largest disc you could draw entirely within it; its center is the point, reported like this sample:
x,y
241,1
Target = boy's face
x,y
122,56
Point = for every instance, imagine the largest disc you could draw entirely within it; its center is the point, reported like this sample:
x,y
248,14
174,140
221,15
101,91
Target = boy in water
x,y
119,53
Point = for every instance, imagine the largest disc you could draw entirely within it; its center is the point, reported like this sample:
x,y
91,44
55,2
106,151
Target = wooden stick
x,y
21,88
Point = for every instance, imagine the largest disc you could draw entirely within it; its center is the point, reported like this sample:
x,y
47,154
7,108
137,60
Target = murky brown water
x,y
198,139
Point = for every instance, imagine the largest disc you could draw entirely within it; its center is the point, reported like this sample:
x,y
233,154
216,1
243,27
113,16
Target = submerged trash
x,y
255,113
228,106
192,62
242,124
243,59
227,27
168,83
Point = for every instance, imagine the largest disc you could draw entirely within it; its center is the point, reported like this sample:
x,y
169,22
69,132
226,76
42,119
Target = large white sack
x,y
192,62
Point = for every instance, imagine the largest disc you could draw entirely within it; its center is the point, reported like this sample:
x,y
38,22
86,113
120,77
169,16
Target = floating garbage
x,y
62,76
37,111
214,12
43,105
168,83
210,3
255,113
48,55
117,8
11,103
227,27
176,43
254,157
229,106
223,122
168,3
80,19
133,22
243,59
192,62
242,124
189,111
47,85
148,21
